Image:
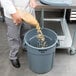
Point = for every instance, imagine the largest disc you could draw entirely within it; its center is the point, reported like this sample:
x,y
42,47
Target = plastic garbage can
x,y
40,60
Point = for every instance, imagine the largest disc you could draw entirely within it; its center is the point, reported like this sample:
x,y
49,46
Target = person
x,y
14,24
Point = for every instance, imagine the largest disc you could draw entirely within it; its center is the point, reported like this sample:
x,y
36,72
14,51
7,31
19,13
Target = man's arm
x,y
33,3
10,8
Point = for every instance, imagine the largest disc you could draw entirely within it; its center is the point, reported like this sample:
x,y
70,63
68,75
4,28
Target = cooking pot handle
x,y
24,44
58,43
42,51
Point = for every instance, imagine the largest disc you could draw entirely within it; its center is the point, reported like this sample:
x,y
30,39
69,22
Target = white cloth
x,y
11,5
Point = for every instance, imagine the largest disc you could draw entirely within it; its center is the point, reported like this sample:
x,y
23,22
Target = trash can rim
x,y
25,41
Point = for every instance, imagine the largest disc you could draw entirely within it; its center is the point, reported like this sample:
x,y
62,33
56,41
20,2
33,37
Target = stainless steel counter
x,y
65,40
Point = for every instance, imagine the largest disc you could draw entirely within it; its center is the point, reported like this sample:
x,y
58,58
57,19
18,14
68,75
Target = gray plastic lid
x,y
57,2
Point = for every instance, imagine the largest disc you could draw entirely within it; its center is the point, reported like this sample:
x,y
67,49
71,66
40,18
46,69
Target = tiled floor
x,y
64,64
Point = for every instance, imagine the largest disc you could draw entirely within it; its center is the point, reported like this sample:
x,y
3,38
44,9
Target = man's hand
x,y
16,18
33,3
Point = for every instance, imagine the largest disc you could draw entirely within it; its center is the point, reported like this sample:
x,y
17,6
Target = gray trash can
x,y
40,59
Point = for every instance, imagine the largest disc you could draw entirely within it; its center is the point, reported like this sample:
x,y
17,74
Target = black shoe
x,y
15,63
